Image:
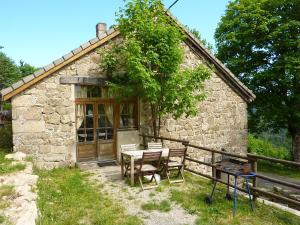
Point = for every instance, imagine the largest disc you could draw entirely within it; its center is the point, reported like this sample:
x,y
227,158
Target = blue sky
x,y
40,31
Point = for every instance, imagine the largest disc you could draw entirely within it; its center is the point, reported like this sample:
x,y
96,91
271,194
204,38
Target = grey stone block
x,y
94,40
77,50
39,72
85,45
67,56
18,84
48,67
6,90
58,61
103,35
110,31
28,78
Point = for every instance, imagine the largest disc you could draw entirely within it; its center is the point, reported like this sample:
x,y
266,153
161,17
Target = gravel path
x,y
132,198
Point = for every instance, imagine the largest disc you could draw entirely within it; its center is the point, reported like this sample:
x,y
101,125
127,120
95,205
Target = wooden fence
x,y
251,158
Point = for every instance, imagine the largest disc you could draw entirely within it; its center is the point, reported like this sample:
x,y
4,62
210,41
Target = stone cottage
x,y
63,113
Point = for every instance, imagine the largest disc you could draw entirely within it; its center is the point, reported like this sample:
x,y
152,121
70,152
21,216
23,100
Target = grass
x,y
6,165
5,192
278,169
163,206
67,197
191,197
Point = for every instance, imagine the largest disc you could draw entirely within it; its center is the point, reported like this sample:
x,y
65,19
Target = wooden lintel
x,y
83,80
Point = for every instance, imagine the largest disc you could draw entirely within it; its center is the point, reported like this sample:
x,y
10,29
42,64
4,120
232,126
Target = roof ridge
x,y
56,62
29,80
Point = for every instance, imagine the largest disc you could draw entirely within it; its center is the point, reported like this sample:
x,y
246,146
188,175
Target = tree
x,y
151,55
26,69
9,71
197,34
260,42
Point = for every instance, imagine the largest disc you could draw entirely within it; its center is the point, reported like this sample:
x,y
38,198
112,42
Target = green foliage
x,y
6,136
163,206
66,197
6,105
26,69
151,55
6,165
262,147
197,34
259,41
9,71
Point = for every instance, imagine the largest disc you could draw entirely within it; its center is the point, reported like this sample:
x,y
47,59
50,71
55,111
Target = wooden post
x,y
254,169
213,161
144,141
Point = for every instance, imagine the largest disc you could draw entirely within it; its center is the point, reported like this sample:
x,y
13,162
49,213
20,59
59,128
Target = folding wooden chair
x,y
175,161
146,168
154,145
128,147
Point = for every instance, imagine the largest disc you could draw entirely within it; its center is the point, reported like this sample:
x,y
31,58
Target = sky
x,y
40,31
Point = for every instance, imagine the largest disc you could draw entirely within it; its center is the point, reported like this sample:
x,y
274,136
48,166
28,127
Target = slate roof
x,y
90,45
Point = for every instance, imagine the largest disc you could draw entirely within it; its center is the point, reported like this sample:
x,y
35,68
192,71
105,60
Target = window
x,y
128,115
85,121
87,91
105,129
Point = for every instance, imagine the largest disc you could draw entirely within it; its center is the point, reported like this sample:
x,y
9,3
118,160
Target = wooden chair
x,y
154,145
175,161
127,147
146,168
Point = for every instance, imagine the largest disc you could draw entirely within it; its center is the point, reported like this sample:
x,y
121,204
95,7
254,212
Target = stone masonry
x,y
44,116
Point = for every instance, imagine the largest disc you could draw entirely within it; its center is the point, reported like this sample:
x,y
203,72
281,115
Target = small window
x,y
128,115
87,91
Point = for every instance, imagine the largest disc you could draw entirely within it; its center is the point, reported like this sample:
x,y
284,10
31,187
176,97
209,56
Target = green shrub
x,y
262,147
6,137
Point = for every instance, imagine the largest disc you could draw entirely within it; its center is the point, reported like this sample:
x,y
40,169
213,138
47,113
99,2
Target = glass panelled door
x,y
95,131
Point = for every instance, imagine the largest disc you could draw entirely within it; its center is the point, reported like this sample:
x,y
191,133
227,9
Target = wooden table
x,y
136,155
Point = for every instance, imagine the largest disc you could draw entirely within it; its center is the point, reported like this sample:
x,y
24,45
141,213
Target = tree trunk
x,y
296,145
154,118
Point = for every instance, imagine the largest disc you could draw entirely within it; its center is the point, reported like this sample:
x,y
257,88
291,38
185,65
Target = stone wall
x,y
220,123
44,116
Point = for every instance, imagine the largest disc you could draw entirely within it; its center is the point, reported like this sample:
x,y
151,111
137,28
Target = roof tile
x,y
58,61
85,45
18,84
94,40
39,72
77,50
67,56
102,35
48,67
110,31
28,78
6,90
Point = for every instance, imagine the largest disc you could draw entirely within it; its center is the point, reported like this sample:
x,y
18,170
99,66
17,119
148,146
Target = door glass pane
x,y
80,116
89,116
105,121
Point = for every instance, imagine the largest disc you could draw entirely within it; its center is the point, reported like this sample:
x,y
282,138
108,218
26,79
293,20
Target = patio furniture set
x,y
154,160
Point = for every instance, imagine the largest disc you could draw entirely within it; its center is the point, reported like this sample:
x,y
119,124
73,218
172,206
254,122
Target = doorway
x,y
95,131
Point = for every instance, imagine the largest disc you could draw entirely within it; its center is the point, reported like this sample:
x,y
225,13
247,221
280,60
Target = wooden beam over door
x,y
82,80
